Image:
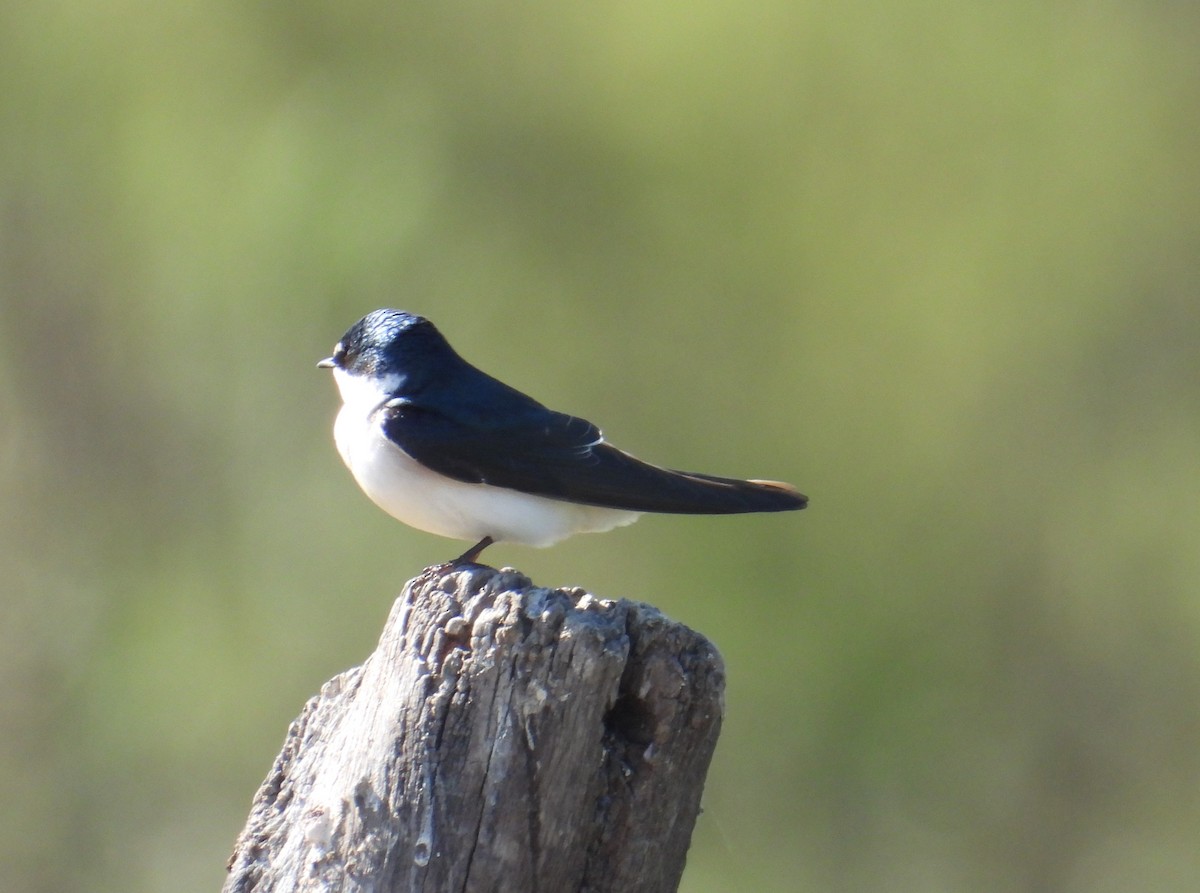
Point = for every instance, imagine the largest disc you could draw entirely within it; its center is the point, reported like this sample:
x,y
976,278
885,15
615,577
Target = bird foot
x,y
471,556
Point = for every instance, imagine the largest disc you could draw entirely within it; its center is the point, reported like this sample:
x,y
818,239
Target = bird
x,y
446,448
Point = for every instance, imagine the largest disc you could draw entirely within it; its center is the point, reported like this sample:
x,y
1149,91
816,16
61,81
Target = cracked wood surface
x,y
502,737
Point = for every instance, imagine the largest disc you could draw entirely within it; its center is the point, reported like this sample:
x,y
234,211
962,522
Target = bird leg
x,y
471,556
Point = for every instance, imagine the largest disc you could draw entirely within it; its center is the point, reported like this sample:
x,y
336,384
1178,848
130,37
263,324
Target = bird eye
x,y
339,354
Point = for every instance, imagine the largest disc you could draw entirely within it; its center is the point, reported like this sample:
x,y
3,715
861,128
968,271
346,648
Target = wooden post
x,y
502,737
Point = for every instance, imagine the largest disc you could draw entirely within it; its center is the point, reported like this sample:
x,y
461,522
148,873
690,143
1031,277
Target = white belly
x,y
421,498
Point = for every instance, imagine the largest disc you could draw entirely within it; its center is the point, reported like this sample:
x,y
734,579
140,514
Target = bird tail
x,y
709,494
615,479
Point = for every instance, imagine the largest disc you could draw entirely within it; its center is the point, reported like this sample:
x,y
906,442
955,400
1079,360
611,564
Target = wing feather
x,y
539,451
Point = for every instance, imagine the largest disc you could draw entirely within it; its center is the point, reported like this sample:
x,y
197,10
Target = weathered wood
x,y
502,737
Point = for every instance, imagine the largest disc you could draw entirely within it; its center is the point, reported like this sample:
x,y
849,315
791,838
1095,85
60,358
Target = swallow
x,y
448,449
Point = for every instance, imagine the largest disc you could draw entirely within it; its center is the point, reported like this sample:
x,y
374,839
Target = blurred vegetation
x,y
934,263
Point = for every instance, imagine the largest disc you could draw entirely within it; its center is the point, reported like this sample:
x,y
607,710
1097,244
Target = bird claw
x,y
471,556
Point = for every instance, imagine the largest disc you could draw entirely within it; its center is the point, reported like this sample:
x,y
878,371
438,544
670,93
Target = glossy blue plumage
x,y
402,383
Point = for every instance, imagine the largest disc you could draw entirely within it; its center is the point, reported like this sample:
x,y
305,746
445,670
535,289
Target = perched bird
x,y
446,448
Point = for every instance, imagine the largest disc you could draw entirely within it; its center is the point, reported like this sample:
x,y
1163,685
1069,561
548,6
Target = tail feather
x,y
615,479
720,495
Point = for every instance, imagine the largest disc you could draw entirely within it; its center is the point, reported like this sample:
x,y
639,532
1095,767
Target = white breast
x,y
410,492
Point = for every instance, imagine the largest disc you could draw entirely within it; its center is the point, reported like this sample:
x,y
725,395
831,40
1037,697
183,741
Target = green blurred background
x,y
934,263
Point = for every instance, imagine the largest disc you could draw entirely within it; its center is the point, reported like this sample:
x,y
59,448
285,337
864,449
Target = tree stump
x,y
502,737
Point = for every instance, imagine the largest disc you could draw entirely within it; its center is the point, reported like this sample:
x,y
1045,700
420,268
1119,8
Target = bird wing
x,y
546,453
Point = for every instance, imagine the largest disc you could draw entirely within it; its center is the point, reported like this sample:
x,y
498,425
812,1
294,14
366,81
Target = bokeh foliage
x,y
935,263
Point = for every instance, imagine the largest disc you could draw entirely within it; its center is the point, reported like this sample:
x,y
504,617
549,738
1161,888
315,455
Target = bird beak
x,y
326,363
